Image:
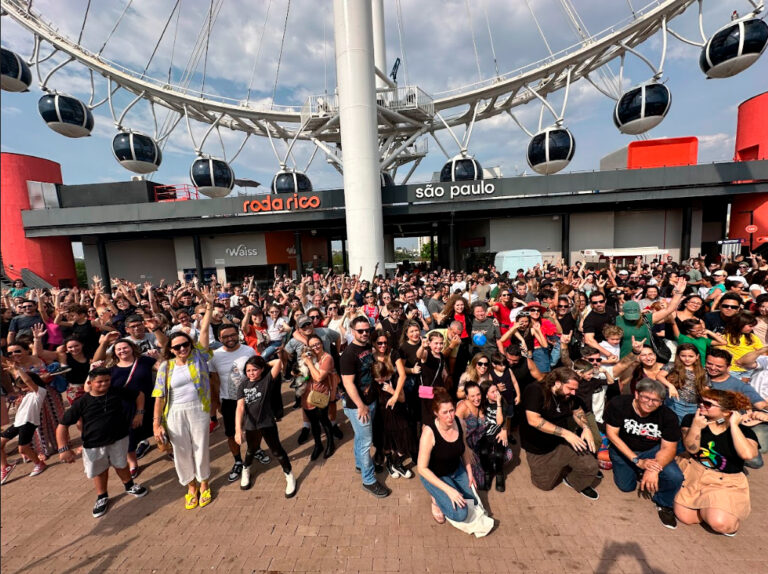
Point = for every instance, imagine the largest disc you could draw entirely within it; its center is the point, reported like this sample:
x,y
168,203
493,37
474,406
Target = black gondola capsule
x,y
461,168
16,76
289,181
136,152
212,177
551,150
66,115
386,179
642,108
734,48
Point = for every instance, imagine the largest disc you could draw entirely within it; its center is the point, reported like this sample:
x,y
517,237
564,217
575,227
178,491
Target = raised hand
x,y
39,331
637,346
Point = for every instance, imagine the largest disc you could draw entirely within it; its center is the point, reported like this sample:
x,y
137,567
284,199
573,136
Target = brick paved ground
x,y
332,525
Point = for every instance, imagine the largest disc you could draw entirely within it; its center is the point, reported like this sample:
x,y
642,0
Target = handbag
x,y
165,446
428,391
318,399
663,353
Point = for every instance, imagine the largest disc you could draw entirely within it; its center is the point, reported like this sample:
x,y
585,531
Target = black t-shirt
x,y
641,433
392,330
104,418
594,322
713,321
558,412
258,410
433,371
718,451
567,323
357,360
408,353
522,373
88,335
505,378
79,371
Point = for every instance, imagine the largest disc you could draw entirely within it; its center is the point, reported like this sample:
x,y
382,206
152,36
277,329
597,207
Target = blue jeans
x,y
761,431
271,349
626,476
680,408
541,359
458,480
363,441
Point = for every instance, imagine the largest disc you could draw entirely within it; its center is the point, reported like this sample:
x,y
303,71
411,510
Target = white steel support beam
x,y
353,31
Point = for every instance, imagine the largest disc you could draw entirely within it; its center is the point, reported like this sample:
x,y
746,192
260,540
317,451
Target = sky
x,y
434,39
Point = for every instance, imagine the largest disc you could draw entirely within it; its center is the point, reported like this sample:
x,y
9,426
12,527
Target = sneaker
x,y
6,472
392,471
336,432
137,490
236,471
303,435
100,508
39,468
262,456
377,489
402,471
667,517
142,449
134,472
729,534
588,492
600,474
213,426
245,478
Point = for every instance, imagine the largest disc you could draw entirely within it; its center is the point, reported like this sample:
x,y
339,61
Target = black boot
x,y
488,477
499,469
330,448
317,451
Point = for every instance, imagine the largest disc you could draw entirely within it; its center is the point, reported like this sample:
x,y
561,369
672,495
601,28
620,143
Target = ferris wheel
x,y
407,114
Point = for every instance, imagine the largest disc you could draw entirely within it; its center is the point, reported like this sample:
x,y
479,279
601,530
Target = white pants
x,y
598,404
190,437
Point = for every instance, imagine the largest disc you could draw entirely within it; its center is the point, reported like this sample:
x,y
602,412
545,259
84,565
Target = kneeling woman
x,y
253,406
445,462
716,490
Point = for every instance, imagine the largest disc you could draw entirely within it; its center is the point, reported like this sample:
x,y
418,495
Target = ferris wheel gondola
x,y
734,48
550,150
642,108
66,115
461,168
212,177
136,152
16,75
290,181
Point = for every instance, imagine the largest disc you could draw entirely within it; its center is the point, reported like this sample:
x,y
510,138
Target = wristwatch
x,y
140,412
63,449
635,460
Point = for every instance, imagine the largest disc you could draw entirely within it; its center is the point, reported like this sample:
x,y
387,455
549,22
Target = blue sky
x,y
438,55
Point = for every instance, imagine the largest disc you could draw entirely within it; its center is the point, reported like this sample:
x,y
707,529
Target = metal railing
x,y
182,192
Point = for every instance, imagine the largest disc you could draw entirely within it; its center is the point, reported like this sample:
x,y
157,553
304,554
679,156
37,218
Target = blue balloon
x,y
479,339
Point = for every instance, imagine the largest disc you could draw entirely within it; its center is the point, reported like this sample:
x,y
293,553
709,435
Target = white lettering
x,y
241,251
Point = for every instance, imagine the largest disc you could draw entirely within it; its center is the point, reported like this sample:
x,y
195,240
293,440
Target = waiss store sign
x,y
271,202
448,191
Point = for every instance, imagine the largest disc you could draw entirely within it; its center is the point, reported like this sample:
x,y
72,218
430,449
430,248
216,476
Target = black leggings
x,y
491,453
318,417
252,438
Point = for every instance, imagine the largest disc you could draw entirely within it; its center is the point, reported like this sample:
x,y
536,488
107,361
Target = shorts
x,y
228,411
98,459
25,433
706,488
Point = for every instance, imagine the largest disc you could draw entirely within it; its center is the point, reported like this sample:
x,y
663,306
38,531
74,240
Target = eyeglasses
x,y
729,306
482,363
180,346
650,400
316,346
708,404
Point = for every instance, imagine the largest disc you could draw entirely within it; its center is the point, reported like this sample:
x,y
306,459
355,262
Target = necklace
x,y
557,403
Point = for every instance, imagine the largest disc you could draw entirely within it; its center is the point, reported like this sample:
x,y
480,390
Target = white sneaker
x,y
290,485
245,478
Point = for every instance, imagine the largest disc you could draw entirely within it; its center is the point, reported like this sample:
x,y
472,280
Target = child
x,y
493,446
509,388
612,336
26,422
694,332
593,381
105,434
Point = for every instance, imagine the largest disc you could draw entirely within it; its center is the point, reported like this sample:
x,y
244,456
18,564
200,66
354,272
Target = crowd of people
x,y
656,371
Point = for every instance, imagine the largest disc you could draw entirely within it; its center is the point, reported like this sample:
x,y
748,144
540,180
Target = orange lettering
x,y
277,204
314,201
303,202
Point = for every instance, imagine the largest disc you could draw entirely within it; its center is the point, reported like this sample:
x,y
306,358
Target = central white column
x,y
379,40
353,34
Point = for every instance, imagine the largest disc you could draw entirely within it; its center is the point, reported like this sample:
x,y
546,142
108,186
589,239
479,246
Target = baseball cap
x,y
631,310
303,321
623,272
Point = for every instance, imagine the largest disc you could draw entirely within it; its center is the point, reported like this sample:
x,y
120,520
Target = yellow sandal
x,y
205,497
190,501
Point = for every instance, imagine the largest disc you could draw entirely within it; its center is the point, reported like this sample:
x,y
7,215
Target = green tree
x,y
82,275
426,251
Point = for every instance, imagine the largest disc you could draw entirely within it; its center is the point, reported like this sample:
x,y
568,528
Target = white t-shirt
x,y
222,362
275,328
759,380
613,350
29,409
458,285
182,388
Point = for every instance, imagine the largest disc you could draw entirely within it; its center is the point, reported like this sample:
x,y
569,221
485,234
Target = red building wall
x,y
752,129
744,206
662,153
50,257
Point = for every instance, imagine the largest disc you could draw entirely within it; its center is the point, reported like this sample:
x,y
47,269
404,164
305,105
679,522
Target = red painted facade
x,y
752,129
49,257
663,153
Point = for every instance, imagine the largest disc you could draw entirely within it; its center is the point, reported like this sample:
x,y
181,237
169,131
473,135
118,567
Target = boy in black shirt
x,y
644,436
105,435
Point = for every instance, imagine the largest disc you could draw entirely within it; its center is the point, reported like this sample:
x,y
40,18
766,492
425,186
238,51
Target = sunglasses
x,y
314,317
361,331
534,311
180,346
482,363
708,404
381,343
563,306
15,352
305,325
597,360
729,306
600,302
505,294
